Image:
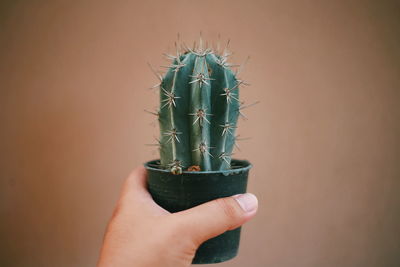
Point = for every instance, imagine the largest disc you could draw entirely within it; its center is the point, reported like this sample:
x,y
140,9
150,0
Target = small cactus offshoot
x,y
199,109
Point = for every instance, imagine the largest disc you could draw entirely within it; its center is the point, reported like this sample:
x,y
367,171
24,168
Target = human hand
x,y
142,234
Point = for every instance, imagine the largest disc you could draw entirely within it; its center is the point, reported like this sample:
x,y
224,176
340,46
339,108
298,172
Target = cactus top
x,y
199,108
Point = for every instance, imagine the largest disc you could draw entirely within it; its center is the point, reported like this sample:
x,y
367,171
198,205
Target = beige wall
x,y
325,137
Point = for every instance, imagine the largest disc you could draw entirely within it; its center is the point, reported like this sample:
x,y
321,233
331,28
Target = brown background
x,y
325,137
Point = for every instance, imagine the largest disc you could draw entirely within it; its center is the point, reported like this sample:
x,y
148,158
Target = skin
x,y
141,233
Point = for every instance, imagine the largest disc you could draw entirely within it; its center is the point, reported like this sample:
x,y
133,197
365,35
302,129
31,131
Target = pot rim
x,y
246,165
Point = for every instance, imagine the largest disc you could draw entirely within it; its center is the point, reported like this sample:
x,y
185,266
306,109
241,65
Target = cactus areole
x,y
199,109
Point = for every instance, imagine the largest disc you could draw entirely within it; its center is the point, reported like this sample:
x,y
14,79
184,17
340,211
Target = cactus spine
x,y
199,109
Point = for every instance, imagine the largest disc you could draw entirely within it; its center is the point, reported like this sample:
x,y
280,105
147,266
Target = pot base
x,y
218,249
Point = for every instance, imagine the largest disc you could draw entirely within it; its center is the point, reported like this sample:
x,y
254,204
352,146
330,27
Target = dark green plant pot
x,y
189,189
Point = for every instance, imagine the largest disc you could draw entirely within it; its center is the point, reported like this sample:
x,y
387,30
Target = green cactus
x,y
199,109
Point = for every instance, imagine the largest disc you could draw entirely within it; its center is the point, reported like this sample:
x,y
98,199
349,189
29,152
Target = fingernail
x,y
248,202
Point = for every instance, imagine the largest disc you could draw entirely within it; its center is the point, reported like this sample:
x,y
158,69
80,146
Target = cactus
x,y
199,109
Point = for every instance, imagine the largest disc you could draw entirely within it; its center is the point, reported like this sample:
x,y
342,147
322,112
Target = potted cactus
x,y
198,114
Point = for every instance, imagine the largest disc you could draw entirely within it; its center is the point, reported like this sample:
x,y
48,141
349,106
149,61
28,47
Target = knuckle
x,y
117,210
228,207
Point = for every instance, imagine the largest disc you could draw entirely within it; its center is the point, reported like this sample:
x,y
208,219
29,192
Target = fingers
x,y
135,197
134,187
218,216
137,178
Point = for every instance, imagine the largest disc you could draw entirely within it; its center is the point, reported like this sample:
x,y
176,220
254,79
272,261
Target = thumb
x,y
218,216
